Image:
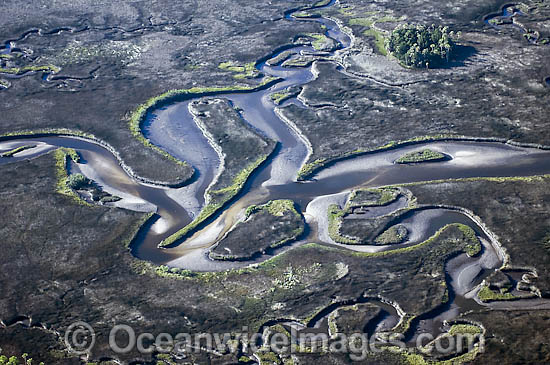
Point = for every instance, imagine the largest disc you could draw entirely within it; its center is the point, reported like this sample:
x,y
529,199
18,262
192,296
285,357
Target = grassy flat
x,y
281,224
425,155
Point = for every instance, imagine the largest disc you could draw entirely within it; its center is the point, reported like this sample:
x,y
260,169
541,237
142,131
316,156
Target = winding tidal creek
x,y
173,129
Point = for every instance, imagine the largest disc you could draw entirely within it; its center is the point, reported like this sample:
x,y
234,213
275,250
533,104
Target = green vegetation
x,y
243,71
363,198
309,168
346,10
245,359
498,21
109,199
77,181
165,359
230,66
280,97
50,131
379,40
22,70
411,248
393,235
417,359
274,207
281,223
372,197
455,330
320,42
239,180
279,207
268,358
533,178
141,112
473,246
488,295
62,156
464,329
469,331
301,61
222,197
14,360
283,95
372,32
420,46
302,14
425,155
377,35
321,3
335,215
17,150
9,361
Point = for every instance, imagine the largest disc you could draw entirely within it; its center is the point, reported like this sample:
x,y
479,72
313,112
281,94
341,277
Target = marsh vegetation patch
x,y
266,226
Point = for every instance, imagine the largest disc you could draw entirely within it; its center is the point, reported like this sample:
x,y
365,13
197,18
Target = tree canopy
x,y
421,46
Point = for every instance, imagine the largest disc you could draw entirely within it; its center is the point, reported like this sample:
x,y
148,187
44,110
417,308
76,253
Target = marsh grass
x,y
426,155
25,69
393,235
62,156
140,114
488,295
222,196
12,152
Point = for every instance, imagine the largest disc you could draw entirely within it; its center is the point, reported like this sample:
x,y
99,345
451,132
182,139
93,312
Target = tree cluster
x,y
421,46
77,181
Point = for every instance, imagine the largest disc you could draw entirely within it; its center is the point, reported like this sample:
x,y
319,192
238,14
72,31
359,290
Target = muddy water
x,y
100,165
173,129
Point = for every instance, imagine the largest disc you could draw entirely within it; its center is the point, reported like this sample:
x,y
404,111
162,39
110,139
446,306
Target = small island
x,y
425,155
393,235
281,224
420,46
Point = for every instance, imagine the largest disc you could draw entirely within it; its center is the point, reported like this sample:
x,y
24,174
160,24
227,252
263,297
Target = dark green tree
x,y
421,46
77,181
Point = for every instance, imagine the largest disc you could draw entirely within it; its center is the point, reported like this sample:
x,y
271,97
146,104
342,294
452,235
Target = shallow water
x,y
173,129
507,12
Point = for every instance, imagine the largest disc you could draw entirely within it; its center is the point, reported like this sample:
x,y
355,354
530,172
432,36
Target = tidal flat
x,y
272,167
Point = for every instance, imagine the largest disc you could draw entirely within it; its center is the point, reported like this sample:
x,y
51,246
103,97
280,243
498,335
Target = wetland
x,y
268,205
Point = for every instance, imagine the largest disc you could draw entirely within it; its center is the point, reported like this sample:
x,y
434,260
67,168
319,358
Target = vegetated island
x,y
244,150
393,235
425,155
280,221
420,46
